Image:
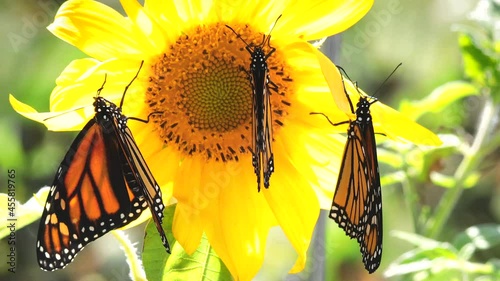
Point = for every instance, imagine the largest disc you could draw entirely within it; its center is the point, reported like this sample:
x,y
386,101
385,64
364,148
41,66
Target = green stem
x,y
136,270
468,164
411,199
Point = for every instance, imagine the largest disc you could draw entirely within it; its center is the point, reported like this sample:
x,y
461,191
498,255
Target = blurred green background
x,y
417,33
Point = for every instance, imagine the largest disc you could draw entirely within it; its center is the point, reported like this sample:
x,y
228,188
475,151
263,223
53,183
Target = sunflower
x,y
200,146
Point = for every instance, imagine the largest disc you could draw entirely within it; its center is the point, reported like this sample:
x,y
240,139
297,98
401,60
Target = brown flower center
x,y
202,87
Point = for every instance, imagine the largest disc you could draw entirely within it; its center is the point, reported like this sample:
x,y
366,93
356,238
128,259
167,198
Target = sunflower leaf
x,y
154,256
203,264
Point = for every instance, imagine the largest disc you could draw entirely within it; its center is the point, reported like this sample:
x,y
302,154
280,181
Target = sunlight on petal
x,y
70,120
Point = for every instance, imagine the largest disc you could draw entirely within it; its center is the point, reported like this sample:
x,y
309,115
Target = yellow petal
x,y
74,113
99,31
165,13
320,19
261,15
237,223
393,124
71,101
189,174
319,162
187,227
146,23
385,119
71,120
163,163
190,12
334,80
295,207
78,85
397,126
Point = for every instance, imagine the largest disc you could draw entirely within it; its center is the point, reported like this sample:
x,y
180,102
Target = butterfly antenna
x,y
145,120
268,39
237,35
383,83
343,84
102,86
345,73
321,113
133,79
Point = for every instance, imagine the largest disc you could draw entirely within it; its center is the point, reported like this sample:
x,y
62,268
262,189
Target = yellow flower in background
x,y
200,144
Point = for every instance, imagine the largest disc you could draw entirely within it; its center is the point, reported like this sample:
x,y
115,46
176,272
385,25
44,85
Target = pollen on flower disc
x,y
201,84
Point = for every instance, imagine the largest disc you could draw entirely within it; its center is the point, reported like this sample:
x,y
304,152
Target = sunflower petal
x,y
386,120
261,15
165,13
397,126
71,101
320,19
78,84
99,31
392,123
187,227
227,219
149,27
71,120
334,80
293,206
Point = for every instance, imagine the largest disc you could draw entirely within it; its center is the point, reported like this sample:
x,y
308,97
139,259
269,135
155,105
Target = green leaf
x,y
481,60
438,99
154,256
406,267
466,252
480,49
417,240
477,62
440,260
443,269
420,259
484,236
203,264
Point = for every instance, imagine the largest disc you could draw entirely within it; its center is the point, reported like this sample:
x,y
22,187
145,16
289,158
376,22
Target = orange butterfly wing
x,y
348,206
89,197
102,184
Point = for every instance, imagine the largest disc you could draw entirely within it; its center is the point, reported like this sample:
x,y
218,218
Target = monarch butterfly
x,y
262,153
357,202
102,184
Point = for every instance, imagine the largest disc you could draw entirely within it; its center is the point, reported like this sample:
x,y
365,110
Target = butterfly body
x,y
262,135
103,183
262,155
